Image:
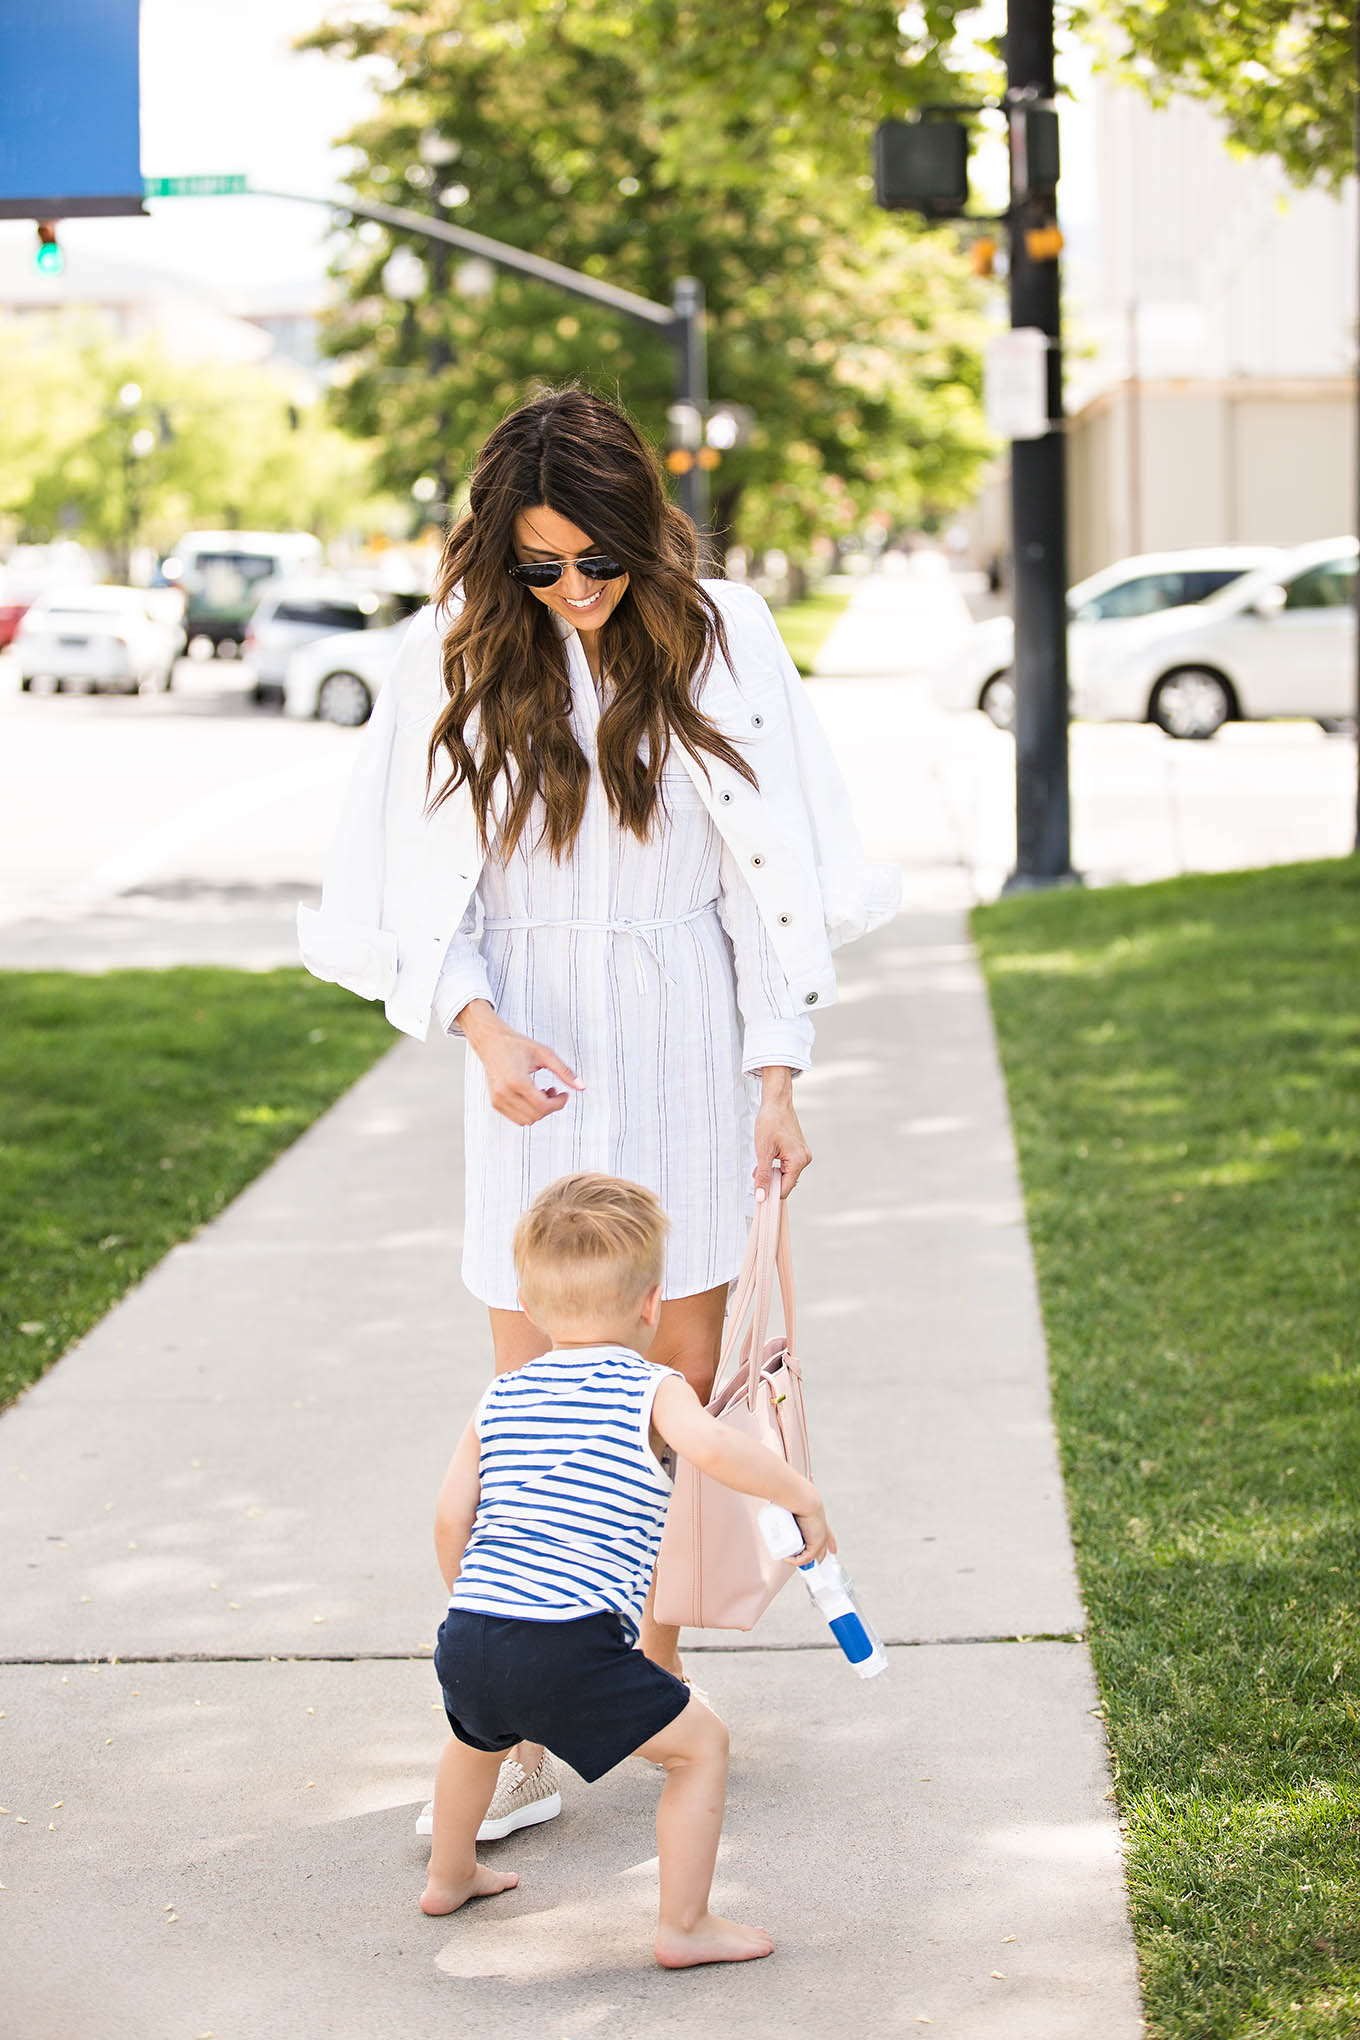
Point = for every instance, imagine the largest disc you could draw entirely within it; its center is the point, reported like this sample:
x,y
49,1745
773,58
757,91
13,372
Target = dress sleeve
x,y
776,1033
464,975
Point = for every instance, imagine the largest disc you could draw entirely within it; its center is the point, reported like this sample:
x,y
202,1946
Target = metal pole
x,y
1038,506
646,310
129,502
691,387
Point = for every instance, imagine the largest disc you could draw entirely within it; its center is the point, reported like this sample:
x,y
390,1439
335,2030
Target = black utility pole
x,y
691,390
1038,482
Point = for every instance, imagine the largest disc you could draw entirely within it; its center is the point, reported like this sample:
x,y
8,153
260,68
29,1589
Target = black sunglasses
x,y
544,573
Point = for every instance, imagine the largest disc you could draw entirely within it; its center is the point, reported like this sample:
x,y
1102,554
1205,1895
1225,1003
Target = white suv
x,y
292,614
337,679
981,674
1280,641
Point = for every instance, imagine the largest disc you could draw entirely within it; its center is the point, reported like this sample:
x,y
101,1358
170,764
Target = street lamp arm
x,y
645,310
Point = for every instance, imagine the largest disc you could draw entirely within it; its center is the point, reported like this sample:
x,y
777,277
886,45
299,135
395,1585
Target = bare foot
x,y
712,1940
437,1899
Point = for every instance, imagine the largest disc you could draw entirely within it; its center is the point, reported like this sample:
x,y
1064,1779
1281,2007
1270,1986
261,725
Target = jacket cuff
x,y
350,953
777,1044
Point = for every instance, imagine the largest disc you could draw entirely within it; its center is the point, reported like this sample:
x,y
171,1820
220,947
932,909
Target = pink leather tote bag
x,y
714,1571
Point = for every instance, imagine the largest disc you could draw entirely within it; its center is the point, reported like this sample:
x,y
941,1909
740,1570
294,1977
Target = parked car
x,y
981,675
30,570
292,614
1280,641
337,679
223,574
92,638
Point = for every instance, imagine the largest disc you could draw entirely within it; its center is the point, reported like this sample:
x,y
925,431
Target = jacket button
x,y
757,722
784,920
724,798
757,860
811,999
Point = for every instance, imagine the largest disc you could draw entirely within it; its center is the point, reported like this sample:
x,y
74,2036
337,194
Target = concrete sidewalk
x,y
227,1488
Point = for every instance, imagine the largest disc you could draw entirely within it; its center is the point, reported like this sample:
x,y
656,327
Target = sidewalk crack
x,y
411,1657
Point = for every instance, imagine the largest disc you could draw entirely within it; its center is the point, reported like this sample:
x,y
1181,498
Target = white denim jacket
x,y
399,878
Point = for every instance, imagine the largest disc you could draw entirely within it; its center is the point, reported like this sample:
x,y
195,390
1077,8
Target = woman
x,y
595,829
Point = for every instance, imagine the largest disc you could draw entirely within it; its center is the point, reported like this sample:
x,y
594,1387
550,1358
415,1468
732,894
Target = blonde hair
x,y
589,1248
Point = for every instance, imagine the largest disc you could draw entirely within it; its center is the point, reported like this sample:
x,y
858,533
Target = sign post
x,y
921,166
1043,830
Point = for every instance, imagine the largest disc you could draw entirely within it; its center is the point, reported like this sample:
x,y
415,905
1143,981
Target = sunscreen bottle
x,y
831,1589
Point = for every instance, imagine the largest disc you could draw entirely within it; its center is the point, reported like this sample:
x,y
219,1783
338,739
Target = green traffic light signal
x,y
48,256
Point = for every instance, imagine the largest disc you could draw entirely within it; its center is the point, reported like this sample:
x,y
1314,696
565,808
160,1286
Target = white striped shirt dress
x,y
647,968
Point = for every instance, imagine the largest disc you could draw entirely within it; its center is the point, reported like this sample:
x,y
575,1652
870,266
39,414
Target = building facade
x,y
1210,311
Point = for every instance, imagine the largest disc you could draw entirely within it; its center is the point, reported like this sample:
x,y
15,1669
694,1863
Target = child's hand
x,y
817,1538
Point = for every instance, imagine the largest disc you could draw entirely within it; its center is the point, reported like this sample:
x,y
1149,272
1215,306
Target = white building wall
x,y
1210,314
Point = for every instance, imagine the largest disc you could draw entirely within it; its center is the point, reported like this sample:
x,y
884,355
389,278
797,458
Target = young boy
x,y
547,1531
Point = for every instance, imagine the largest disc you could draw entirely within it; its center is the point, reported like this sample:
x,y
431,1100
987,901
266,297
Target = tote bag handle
x,y
767,1255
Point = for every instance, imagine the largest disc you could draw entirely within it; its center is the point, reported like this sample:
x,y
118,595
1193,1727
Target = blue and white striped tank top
x,y
573,1501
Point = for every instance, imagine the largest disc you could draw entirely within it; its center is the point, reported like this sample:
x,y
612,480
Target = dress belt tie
x,y
639,931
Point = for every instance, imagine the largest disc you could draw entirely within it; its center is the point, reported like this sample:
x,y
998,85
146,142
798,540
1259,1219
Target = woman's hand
x,y
510,1061
779,1137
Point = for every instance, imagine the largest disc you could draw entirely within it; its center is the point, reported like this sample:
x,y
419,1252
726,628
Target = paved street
x,y
184,827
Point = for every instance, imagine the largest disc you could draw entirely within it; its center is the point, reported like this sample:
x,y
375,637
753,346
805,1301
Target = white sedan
x,y
1280,641
92,637
981,674
336,679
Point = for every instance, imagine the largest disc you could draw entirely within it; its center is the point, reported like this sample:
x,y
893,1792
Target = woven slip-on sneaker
x,y
519,1801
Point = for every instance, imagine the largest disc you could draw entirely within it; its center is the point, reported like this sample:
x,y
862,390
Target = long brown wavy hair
x,y
505,663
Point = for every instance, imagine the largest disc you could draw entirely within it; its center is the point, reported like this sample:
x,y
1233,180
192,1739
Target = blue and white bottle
x,y
831,1589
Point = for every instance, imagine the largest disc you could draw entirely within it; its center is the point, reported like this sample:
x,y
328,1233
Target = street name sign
x,y
193,187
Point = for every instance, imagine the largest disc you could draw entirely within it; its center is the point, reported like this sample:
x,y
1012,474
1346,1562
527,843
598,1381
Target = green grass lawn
x,y
133,1107
804,625
1183,1062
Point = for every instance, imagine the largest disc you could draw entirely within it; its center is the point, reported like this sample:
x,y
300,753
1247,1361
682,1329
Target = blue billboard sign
x,y
70,140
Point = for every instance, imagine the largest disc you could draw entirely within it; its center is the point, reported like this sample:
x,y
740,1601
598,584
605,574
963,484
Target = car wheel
x,y
344,698
227,648
1192,703
997,700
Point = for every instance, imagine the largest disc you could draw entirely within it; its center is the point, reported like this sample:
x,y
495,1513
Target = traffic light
x,y
922,166
48,255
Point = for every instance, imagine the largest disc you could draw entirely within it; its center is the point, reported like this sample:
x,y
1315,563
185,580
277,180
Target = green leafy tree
x,y
800,78
203,444
577,132
1281,73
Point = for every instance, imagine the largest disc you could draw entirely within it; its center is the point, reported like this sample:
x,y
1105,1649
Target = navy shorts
x,y
579,1687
